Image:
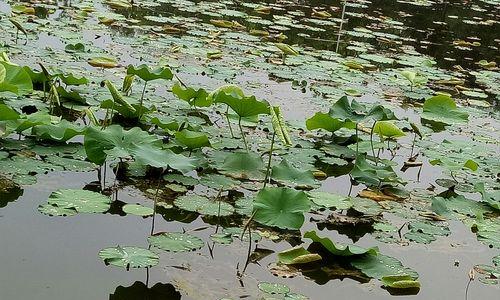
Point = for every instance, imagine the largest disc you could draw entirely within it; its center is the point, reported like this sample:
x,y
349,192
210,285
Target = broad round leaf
x,y
138,210
204,206
176,242
338,249
273,288
82,201
129,257
281,207
147,74
443,109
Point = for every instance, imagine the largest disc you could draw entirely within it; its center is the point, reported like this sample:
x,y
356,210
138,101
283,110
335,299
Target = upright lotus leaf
x,y
192,139
325,121
103,62
243,165
16,79
70,79
387,129
442,109
7,113
346,111
117,96
60,132
129,257
176,242
338,249
379,266
196,98
286,49
279,126
154,156
147,74
297,255
373,175
281,207
242,105
34,119
82,201
289,175
115,141
492,198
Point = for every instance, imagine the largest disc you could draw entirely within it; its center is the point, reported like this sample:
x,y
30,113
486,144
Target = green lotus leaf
x,y
366,206
222,238
330,200
151,155
243,106
492,198
70,164
54,210
137,210
196,98
288,175
281,207
147,74
176,242
286,49
115,141
327,122
379,266
16,79
7,113
442,109
82,201
243,165
373,175
70,79
61,132
19,165
103,62
3,72
129,257
217,181
204,206
459,205
117,96
338,249
387,129
192,139
297,255
400,282
75,48
273,288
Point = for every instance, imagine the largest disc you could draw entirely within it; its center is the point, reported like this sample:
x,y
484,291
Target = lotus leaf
x,y
176,242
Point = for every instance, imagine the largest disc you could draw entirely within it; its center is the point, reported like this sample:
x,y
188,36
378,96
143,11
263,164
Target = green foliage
x,y
338,249
373,175
129,257
297,255
242,105
15,79
442,109
281,207
196,98
279,126
387,129
81,201
176,242
192,139
148,74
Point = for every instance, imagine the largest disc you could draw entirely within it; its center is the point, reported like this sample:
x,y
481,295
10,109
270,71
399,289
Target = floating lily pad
x,y
204,205
273,288
129,257
176,242
80,200
138,210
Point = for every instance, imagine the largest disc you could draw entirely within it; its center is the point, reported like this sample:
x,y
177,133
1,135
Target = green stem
x,y
242,134
357,142
229,123
269,161
371,142
142,99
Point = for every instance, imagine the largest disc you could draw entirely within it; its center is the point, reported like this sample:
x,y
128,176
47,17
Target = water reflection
x,y
140,291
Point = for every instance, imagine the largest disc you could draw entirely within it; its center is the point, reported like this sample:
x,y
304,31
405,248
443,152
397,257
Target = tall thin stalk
x,y
154,206
142,99
229,122
340,29
269,160
242,134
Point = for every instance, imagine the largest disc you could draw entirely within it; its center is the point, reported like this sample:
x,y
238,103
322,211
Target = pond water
x,y
56,257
